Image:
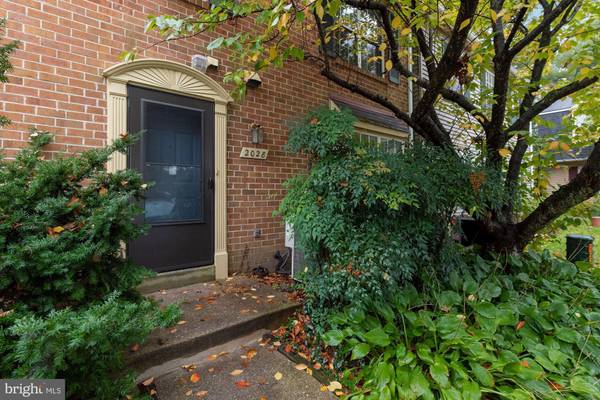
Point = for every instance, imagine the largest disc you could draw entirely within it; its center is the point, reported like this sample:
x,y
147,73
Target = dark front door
x,y
176,153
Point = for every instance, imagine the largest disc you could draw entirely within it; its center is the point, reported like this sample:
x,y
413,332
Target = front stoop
x,y
213,313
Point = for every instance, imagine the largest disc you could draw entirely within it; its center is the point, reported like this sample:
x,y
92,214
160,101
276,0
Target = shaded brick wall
x,y
57,85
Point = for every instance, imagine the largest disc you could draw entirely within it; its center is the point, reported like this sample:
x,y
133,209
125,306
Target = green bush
x,y
69,305
368,220
531,333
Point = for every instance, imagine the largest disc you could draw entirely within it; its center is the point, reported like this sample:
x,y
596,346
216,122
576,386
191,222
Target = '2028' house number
x,y
249,152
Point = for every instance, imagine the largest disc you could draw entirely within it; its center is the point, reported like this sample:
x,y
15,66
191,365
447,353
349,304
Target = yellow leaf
x,y
323,388
396,22
278,376
382,46
493,15
565,147
504,152
58,229
584,71
405,31
320,11
553,145
334,385
236,372
389,65
300,367
464,24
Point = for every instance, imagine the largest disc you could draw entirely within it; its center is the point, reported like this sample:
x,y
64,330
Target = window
x,y
388,145
354,38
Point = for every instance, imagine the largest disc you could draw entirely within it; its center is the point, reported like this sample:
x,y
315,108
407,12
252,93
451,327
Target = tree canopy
x,y
536,51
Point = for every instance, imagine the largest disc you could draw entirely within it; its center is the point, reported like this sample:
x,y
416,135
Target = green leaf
x,y
585,385
378,337
471,391
487,310
424,353
483,375
333,337
567,335
216,43
449,298
439,371
360,350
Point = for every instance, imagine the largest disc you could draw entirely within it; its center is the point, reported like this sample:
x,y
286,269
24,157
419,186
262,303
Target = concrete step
x,y
247,368
213,313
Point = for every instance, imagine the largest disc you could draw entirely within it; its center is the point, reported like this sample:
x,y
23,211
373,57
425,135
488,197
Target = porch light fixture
x,y
202,63
257,133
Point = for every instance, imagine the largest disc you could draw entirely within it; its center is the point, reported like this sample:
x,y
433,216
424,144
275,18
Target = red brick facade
x,y
57,85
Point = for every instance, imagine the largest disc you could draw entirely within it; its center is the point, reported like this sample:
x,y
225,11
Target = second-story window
x,y
353,36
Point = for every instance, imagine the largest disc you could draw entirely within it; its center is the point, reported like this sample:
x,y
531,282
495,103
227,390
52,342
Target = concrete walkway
x,y
243,369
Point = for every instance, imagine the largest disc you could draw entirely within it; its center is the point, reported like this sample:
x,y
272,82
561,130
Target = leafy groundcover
x,y
526,327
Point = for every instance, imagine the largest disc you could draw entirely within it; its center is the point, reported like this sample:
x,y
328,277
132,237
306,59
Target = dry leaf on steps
x,y
236,372
278,376
195,377
242,384
148,381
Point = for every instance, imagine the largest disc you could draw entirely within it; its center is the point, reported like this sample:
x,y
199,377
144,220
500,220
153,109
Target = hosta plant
x,y
533,333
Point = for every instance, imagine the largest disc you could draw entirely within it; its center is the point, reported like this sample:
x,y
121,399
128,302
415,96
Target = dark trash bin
x,y
580,248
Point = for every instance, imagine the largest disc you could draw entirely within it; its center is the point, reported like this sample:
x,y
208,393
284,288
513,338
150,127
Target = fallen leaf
x,y
236,372
520,325
213,357
189,392
242,384
201,394
189,367
300,367
195,377
323,388
173,330
263,398
333,386
182,322
135,347
148,381
251,353
309,371
198,307
317,366
271,296
278,376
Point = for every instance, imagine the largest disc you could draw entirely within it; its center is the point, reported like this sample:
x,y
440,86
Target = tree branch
x,y
548,19
553,96
585,185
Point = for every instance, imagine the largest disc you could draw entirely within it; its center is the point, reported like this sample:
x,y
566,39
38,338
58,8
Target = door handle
x,y
211,183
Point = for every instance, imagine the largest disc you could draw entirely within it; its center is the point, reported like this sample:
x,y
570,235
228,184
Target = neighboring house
x,y
568,162
211,206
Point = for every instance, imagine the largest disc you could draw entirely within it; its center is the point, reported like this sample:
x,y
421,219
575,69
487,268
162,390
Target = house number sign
x,y
249,152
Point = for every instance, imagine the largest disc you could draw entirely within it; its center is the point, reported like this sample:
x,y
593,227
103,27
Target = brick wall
x,y
57,85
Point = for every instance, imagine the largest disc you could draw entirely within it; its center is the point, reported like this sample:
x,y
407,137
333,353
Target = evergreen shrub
x,y
69,307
